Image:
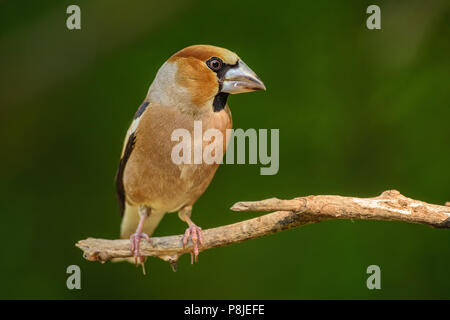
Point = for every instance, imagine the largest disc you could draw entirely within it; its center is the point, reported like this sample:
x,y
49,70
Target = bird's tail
x,y
130,222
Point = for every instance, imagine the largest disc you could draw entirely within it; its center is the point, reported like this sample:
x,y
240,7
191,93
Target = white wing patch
x,y
135,124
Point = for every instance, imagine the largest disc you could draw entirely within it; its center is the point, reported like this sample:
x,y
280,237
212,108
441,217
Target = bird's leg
x,y
194,231
136,237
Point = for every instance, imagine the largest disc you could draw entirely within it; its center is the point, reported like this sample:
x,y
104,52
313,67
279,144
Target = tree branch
x,y
390,205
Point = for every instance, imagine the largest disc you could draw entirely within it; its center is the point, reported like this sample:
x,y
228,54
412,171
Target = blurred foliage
x,y
359,112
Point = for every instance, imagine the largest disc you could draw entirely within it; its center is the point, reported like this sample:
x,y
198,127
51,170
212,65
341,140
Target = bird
x,y
192,85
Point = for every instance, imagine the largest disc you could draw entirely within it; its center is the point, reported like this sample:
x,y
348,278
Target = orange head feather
x,y
194,73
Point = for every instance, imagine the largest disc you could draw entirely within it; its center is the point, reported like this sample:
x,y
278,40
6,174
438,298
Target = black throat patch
x,y
220,100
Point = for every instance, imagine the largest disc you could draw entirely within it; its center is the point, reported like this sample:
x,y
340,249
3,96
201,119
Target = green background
x,y
359,111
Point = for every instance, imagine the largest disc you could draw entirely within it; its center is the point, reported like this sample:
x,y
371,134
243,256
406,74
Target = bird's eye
x,y
214,64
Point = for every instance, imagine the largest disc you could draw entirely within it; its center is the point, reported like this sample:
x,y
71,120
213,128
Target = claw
x,y
195,233
135,240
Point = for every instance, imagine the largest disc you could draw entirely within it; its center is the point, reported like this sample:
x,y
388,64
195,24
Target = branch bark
x,y
390,205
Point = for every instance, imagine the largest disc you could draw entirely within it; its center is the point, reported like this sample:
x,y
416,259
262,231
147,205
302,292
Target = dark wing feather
x,y
141,109
119,175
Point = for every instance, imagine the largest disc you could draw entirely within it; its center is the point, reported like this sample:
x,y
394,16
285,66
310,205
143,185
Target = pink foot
x,y
196,236
135,240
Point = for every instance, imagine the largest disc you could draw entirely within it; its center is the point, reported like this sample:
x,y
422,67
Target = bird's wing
x,y
128,146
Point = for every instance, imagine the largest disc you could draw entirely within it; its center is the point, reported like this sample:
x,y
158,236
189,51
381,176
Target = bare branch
x,y
390,205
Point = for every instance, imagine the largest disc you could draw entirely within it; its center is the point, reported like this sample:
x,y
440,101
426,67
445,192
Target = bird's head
x,y
201,75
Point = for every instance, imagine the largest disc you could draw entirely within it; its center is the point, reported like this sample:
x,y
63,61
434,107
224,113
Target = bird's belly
x,y
169,190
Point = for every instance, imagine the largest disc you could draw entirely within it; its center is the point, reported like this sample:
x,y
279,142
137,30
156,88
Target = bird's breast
x,y
154,177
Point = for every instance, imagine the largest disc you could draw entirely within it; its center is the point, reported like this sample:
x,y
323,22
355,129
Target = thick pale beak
x,y
241,79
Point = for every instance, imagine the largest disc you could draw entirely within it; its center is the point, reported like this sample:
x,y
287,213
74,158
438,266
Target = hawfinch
x,y
192,86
